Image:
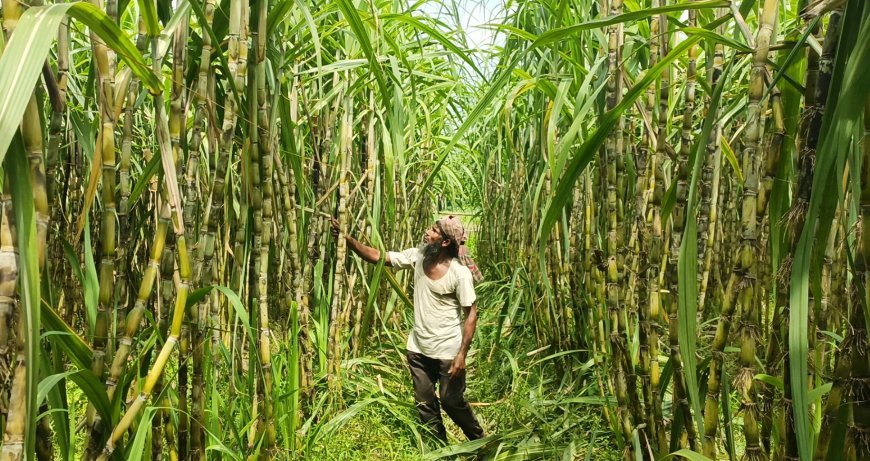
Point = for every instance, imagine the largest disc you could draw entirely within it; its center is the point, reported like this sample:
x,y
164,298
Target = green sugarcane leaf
x,y
136,448
22,60
687,267
235,303
398,288
154,166
373,289
731,157
95,392
666,376
48,383
795,56
56,396
149,13
63,335
686,454
669,201
774,381
435,34
820,391
565,188
500,82
352,16
96,20
20,66
197,296
713,37
563,33
472,446
587,400
566,141
220,448
91,283
725,398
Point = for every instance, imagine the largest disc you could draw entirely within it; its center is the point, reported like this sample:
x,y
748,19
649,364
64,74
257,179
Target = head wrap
x,y
451,228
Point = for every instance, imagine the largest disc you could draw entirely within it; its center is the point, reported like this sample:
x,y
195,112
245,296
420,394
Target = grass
x,y
374,434
521,409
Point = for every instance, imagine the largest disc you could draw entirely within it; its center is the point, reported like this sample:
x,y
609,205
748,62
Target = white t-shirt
x,y
437,331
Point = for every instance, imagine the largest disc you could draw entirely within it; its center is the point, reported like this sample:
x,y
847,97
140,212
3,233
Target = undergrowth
x,y
532,405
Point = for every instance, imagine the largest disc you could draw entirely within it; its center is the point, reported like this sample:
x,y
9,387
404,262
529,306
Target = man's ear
x,y
445,242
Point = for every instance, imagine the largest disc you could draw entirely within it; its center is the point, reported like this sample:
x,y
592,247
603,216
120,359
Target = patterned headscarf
x,y
452,229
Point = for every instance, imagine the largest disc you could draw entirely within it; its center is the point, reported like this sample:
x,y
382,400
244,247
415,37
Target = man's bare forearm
x,y
468,329
367,253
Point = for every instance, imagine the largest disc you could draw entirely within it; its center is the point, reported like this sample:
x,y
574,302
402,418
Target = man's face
x,y
433,235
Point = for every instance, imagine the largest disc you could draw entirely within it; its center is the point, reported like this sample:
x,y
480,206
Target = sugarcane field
x,y
364,230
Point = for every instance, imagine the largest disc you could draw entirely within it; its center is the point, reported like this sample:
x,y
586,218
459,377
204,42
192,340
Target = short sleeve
x,y
465,289
405,259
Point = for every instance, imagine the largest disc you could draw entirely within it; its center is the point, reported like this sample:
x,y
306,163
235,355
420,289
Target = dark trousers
x,y
425,372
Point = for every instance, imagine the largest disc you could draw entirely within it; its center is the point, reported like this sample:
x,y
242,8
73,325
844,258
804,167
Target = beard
x,y
430,250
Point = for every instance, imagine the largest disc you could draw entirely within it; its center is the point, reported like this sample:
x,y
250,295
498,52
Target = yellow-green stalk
x,y
201,270
340,281
263,228
748,269
13,434
104,66
708,215
182,290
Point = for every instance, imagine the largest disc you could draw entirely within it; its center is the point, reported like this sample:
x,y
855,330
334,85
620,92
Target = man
x,y
439,341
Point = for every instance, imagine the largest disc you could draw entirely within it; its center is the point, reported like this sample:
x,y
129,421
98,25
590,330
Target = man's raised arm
x,y
367,253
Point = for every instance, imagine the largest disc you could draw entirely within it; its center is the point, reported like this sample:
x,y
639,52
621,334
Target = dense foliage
x,y
668,201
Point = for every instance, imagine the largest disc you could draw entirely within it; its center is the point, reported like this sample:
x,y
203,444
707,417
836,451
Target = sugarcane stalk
x,y
625,377
681,402
199,311
294,224
146,287
340,281
216,213
263,229
129,97
776,332
182,289
56,124
858,435
748,268
15,421
818,80
741,285
708,214
104,64
163,426
361,328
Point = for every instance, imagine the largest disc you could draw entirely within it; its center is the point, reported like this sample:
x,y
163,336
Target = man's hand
x,y
458,366
335,227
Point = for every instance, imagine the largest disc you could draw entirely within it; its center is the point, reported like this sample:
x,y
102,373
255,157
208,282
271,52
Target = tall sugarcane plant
x,y
731,345
193,284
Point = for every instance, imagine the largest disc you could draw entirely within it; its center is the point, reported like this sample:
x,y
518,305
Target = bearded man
x,y
438,344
